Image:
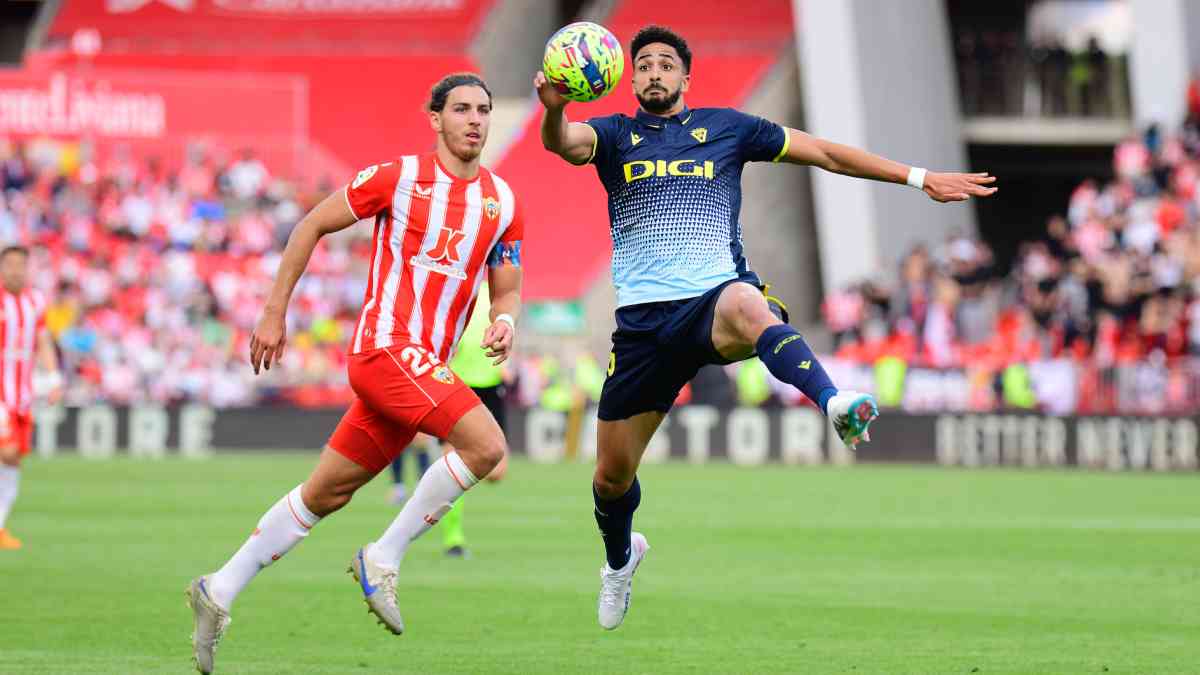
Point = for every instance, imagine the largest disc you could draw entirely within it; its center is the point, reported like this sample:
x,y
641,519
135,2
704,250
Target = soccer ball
x,y
583,61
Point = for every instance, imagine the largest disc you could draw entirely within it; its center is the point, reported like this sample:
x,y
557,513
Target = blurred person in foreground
x,y
23,337
486,379
686,296
441,222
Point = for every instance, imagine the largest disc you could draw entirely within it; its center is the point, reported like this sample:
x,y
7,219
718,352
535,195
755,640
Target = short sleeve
x,y
508,249
372,189
760,140
606,138
516,229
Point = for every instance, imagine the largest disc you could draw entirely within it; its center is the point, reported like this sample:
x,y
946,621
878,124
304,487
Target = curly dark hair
x,y
652,33
439,92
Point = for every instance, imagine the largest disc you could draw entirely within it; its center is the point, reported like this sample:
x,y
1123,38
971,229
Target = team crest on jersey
x,y
442,374
492,208
365,175
700,134
444,257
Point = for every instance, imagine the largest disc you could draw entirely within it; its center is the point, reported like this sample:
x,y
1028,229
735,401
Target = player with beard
x,y
686,296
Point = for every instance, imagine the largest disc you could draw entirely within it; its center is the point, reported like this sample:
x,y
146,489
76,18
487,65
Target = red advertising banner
x,y
158,113
215,26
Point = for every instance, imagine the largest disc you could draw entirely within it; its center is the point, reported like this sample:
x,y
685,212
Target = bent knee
x,y
494,450
745,310
611,485
752,308
487,452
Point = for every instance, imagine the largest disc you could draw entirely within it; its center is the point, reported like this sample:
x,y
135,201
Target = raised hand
x,y
549,96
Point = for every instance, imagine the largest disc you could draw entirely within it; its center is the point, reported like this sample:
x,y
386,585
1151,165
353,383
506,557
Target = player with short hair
x,y
686,296
441,222
23,336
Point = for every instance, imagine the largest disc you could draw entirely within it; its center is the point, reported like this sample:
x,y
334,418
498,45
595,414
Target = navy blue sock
x,y
398,470
422,463
789,359
615,519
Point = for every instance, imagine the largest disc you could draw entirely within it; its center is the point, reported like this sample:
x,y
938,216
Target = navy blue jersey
x,y
674,193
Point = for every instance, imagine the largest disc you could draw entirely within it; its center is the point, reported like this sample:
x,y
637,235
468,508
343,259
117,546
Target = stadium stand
x,y
354,67
160,263
245,26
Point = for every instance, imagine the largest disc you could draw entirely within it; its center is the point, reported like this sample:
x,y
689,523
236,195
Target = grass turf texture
x,y
855,570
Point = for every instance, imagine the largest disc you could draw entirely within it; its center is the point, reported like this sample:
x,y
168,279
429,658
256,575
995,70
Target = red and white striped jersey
x,y
24,316
434,233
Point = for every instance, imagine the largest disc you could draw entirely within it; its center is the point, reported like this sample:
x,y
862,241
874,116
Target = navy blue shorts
x,y
657,348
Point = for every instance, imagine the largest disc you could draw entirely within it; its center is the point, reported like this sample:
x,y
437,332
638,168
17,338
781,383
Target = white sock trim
x,y
307,519
459,471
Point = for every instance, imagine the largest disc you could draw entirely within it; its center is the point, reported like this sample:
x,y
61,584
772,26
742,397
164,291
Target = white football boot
x,y
616,586
378,585
209,623
852,414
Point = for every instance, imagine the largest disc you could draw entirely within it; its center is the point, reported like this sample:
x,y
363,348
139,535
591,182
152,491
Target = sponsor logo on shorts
x,y
443,374
805,365
364,175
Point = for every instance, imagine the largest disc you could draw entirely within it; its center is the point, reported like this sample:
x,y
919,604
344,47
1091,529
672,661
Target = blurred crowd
x,y
1116,279
156,274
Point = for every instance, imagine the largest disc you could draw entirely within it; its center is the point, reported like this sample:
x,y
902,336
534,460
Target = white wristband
x,y
916,177
507,318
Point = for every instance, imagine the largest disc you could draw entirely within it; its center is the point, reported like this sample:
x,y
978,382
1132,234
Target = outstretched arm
x,y
269,337
573,141
802,148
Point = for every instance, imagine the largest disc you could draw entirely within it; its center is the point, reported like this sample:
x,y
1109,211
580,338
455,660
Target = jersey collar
x,y
682,117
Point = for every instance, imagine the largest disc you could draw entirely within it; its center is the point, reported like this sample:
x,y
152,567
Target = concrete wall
x,y
1166,49
778,228
879,75
510,45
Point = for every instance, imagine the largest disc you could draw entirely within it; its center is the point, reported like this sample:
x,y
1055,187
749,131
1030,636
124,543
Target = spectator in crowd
x,y
154,273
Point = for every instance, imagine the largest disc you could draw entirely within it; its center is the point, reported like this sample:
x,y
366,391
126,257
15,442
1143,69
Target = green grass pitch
x,y
868,569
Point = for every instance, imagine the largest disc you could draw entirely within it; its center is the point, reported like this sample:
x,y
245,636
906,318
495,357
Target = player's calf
x,y
789,358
